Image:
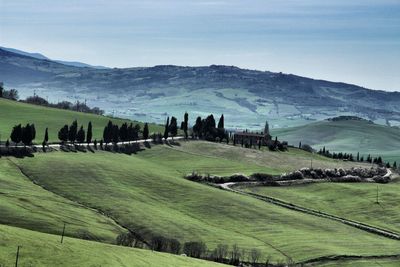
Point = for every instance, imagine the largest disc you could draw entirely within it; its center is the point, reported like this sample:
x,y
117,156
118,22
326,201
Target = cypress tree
x,y
89,134
197,127
146,131
123,132
358,156
27,135
131,132
166,129
394,163
33,131
46,135
16,134
115,134
73,129
80,136
221,122
107,133
63,133
173,127
300,144
185,124
136,131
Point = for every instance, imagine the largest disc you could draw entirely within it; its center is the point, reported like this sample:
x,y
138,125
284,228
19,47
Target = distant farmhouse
x,y
250,139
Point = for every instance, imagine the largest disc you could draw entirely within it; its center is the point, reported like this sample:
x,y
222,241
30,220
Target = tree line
x,y
222,253
358,158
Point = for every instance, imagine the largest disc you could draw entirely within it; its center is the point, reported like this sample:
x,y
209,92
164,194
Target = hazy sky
x,y
341,40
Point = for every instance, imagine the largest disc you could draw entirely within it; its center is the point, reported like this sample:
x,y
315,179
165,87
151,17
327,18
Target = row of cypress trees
x,y
72,134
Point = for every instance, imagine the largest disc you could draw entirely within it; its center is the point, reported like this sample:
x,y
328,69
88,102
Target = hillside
x,y
148,194
349,136
13,113
246,97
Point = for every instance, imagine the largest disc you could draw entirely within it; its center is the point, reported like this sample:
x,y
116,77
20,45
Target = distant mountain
x,y
246,97
40,56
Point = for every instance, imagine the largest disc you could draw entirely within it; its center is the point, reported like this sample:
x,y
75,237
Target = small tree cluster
x,y
208,130
72,134
113,133
25,134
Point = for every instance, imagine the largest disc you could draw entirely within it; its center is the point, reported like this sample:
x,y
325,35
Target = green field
x,y
355,201
13,113
39,249
147,193
349,136
26,205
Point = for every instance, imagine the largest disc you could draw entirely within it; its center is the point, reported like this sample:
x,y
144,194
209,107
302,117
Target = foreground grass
x,y
13,113
356,201
147,193
26,205
39,249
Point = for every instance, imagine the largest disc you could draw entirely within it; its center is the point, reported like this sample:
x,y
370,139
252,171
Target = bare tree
x,y
255,255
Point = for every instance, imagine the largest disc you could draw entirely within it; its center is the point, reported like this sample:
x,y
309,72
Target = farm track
x,y
281,203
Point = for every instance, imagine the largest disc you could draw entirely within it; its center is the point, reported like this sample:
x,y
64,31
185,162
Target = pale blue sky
x,y
341,40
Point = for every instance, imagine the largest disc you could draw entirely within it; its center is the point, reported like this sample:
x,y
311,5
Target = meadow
x,y
147,193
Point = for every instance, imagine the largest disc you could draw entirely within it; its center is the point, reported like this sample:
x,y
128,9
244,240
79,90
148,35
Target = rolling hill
x,y
99,195
13,113
246,97
350,136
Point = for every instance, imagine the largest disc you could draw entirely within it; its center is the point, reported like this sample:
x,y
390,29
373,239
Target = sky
x,y
354,41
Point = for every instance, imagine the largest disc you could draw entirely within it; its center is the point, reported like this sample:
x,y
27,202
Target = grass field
x,y
356,201
13,113
349,136
26,205
147,193
39,249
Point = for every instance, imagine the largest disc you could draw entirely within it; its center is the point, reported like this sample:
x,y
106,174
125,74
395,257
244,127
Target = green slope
x,y
349,136
29,206
348,200
38,249
147,193
13,113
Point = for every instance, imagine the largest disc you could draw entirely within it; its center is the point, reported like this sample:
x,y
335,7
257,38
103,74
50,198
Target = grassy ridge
x,y
13,113
348,200
349,136
147,192
24,204
39,249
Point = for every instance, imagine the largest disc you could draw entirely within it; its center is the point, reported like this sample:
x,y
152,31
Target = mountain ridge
x,y
248,97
